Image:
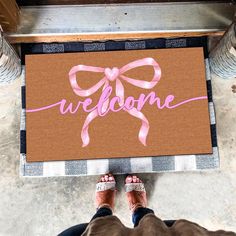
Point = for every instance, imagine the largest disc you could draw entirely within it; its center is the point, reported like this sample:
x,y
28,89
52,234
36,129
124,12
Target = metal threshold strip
x,y
119,21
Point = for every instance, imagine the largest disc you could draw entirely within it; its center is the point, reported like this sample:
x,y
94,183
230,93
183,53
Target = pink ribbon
x,y
111,75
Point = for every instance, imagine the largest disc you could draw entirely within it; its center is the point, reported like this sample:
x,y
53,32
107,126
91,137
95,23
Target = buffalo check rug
x,y
119,165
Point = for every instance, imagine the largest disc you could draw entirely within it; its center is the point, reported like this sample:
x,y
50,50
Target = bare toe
x,y
134,179
111,178
128,179
106,178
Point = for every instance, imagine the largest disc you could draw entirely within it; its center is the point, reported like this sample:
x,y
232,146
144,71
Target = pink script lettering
x,y
129,103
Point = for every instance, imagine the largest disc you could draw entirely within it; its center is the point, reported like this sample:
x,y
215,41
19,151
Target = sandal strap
x,y
139,187
103,186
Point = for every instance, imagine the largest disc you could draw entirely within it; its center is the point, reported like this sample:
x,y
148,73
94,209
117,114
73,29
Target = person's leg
x,y
104,200
139,213
137,199
103,211
76,230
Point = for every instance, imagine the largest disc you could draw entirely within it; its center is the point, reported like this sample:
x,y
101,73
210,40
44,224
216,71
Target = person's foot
x,y
135,192
105,191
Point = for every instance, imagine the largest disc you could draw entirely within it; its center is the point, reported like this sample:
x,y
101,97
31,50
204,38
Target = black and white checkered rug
x,y
122,165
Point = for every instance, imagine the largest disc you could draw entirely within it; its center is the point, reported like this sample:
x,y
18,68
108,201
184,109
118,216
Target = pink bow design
x,y
111,75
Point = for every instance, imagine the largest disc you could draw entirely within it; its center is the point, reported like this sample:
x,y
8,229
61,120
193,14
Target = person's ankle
x,y
136,207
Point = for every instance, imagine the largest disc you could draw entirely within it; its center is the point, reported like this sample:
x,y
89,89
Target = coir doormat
x,y
143,106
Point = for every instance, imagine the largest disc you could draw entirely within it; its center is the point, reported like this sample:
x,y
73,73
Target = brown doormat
x,y
162,113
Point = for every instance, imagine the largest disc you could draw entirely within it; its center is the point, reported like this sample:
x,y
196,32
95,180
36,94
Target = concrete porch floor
x,y
46,206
